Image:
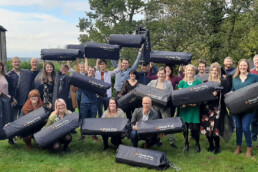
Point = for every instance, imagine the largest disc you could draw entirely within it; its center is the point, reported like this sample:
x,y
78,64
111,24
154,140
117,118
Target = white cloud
x,y
28,33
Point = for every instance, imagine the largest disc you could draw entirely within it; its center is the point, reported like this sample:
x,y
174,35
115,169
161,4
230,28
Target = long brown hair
x,y
218,67
108,109
238,71
2,64
44,74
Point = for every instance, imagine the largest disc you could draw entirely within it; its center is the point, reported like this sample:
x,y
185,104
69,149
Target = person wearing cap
x,y
142,76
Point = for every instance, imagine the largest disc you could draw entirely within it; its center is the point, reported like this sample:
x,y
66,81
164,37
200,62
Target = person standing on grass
x,y
202,74
34,63
88,107
128,86
255,71
241,79
47,84
123,74
6,88
14,74
163,112
142,76
143,114
190,113
212,118
113,112
106,76
228,65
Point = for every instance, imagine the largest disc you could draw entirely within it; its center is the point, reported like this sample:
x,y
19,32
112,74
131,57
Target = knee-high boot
x,y
217,145
211,144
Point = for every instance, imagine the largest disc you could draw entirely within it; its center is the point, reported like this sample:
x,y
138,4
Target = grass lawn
x,y
88,156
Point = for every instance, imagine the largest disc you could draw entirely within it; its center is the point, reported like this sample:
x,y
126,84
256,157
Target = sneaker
x,y
11,142
82,138
173,145
95,138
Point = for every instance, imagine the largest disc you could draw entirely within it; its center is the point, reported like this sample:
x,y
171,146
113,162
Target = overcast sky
x,y
35,24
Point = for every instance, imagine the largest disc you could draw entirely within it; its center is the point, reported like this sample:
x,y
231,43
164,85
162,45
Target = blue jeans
x,y
151,140
88,110
243,125
102,101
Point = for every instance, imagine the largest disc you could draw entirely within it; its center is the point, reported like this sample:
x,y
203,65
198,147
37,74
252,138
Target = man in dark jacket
x,y
143,114
142,76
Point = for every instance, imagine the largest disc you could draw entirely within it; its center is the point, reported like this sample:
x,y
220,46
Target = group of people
x,y
206,118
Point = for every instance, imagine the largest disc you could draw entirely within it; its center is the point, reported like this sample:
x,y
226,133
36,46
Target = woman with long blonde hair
x,y
190,113
214,111
243,78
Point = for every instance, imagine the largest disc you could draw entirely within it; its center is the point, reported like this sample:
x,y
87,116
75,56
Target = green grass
x,y
88,156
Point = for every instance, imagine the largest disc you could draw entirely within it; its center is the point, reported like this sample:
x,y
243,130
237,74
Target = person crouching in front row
x,y
59,113
143,114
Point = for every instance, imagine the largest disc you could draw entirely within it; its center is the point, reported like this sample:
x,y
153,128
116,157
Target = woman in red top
x,y
34,102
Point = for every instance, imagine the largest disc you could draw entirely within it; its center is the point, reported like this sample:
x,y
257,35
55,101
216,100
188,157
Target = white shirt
x,y
145,117
107,78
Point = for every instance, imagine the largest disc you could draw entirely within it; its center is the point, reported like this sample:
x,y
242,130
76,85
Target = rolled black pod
x,y
167,126
25,85
129,101
145,58
102,51
90,84
196,94
61,54
77,46
61,88
26,124
158,96
6,114
171,58
105,126
142,157
59,129
134,41
242,100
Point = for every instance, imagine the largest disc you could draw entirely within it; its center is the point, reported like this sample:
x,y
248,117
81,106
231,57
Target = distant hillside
x,y
22,58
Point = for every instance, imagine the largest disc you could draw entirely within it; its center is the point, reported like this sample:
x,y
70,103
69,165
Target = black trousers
x,y
115,140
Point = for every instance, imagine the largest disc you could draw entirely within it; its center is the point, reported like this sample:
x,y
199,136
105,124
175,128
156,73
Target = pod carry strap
x,y
174,166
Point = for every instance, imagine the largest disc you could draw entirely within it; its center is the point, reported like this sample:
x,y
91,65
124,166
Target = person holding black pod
x,y
113,112
59,113
243,78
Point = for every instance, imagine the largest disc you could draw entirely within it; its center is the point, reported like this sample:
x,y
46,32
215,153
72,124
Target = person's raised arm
x,y
86,64
97,64
114,63
135,65
150,76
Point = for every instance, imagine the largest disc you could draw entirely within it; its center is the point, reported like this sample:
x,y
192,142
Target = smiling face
x,y
34,99
112,105
161,75
256,61
228,63
243,66
49,68
146,104
125,64
91,72
16,63
82,68
189,71
34,63
145,68
214,72
64,70
102,66
60,107
201,68
168,71
132,76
